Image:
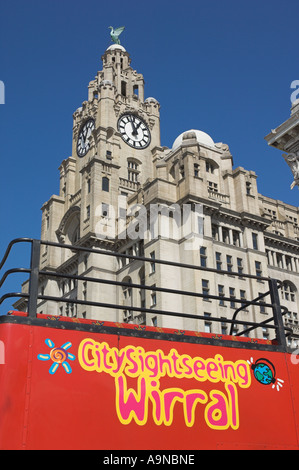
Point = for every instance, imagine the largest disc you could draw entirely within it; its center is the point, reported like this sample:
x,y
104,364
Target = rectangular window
x,y
205,288
208,324
196,170
232,297
88,212
262,307
123,88
243,297
221,294
153,297
203,257
254,241
133,171
224,327
152,264
218,261
258,269
213,186
240,266
229,263
105,184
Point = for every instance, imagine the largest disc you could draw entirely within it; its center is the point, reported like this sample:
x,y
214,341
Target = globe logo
x,y
263,374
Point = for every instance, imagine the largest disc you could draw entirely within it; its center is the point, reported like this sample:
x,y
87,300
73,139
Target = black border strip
x,y
136,333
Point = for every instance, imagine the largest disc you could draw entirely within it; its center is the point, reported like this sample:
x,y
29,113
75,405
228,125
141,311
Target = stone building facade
x,y
117,173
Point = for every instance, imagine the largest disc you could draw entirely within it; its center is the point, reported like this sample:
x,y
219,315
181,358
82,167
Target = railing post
x,y
278,321
33,282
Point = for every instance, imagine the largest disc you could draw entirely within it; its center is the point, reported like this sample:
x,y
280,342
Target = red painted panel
x,y
64,389
14,381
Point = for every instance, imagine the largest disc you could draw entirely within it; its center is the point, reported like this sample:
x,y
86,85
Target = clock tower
x,y
115,134
122,193
116,121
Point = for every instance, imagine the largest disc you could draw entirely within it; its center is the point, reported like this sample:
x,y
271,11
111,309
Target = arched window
x,y
288,292
76,234
105,184
210,167
133,171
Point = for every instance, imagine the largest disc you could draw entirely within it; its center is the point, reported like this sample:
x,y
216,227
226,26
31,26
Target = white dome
x,y
201,137
151,100
116,46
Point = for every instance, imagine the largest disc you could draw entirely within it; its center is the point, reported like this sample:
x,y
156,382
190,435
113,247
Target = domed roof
x,y
150,99
116,46
201,137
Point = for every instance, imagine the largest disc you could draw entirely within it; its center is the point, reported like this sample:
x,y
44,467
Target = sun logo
x,y
58,356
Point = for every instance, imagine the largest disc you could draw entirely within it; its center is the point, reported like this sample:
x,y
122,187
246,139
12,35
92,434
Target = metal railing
x,y
35,272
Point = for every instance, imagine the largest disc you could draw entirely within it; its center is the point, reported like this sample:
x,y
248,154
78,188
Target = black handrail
x,y
35,272
9,247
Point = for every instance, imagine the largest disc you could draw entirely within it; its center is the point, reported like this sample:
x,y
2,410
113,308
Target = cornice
x,y
285,129
278,240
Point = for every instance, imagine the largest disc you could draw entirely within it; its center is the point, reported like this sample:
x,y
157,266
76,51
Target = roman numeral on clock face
x,y
134,131
83,143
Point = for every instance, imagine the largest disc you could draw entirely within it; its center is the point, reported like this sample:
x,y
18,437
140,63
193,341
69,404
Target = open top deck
x,y
75,383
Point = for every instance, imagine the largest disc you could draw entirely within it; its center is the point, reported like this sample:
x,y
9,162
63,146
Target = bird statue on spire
x,y
115,33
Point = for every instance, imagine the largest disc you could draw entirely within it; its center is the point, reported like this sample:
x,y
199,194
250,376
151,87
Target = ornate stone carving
x,y
292,160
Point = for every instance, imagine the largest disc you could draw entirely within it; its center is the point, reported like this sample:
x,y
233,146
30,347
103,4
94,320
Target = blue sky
x,y
221,66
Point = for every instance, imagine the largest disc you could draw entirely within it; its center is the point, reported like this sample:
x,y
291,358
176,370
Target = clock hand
x,y
136,128
134,132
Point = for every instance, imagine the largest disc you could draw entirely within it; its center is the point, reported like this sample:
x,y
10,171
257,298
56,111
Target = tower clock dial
x,y
83,143
134,131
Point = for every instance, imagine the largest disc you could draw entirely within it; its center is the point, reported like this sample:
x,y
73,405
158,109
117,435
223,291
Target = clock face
x,y
134,131
83,143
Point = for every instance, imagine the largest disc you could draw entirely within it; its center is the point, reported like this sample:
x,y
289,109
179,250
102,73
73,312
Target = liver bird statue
x,y
115,33
292,160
